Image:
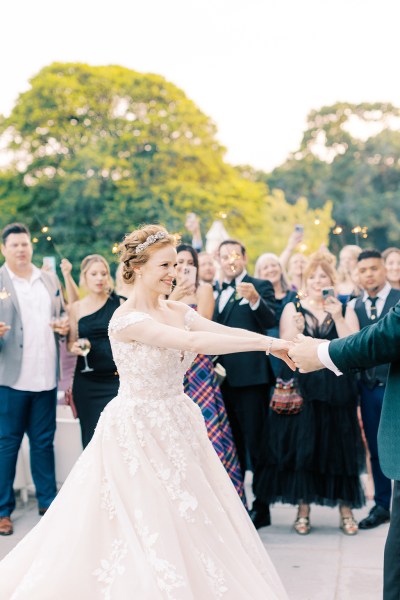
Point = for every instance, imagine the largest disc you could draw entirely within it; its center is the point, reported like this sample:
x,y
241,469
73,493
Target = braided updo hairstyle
x,y
130,259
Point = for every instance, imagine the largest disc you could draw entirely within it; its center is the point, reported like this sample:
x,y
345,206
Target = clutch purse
x,y
69,401
286,398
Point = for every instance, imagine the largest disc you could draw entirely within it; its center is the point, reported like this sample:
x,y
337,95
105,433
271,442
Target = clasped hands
x,y
301,353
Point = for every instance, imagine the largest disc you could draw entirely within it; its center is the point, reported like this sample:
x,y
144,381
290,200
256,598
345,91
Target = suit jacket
x,y
248,368
11,344
376,345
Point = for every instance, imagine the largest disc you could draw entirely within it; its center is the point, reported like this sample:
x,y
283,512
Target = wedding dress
x,y
148,511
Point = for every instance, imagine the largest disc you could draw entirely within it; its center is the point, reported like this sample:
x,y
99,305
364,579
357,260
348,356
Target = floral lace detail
x,y
215,576
106,500
167,578
111,567
36,572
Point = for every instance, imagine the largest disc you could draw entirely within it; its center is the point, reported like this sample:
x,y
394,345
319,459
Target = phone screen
x,y
328,292
49,263
299,228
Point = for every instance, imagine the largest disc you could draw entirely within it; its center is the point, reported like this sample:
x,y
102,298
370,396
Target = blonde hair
x,y
324,259
130,259
87,262
271,256
354,251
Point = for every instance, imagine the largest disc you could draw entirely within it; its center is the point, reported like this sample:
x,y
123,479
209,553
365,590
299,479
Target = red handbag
x,y
286,398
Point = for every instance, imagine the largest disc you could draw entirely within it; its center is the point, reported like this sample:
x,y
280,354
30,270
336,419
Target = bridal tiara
x,y
151,239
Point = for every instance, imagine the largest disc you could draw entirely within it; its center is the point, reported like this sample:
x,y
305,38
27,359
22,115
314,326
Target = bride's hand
x,y
280,349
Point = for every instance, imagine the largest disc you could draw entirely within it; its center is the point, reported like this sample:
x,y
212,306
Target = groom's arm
x,y
373,345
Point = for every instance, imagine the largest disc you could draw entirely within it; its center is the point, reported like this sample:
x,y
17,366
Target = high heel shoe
x,y
348,525
302,525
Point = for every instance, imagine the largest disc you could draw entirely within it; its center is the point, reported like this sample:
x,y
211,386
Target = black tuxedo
x,y
248,374
248,368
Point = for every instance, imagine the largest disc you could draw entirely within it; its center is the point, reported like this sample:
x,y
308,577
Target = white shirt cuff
x,y
323,355
255,305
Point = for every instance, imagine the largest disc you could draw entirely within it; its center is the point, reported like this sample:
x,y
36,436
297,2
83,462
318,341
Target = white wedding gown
x,y
148,511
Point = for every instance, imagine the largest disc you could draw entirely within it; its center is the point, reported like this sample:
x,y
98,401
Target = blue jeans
x,y
35,414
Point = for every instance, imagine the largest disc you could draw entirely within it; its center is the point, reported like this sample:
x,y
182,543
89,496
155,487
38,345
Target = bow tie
x,y
226,285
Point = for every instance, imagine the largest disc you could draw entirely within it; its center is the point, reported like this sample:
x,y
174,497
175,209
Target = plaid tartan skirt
x,y
202,387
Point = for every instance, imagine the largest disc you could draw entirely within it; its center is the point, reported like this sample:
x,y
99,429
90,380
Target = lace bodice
x,y
146,371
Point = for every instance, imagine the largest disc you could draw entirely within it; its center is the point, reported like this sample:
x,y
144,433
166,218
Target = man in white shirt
x,y
29,298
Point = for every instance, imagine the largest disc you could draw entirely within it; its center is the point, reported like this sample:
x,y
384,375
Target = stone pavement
x,y
325,565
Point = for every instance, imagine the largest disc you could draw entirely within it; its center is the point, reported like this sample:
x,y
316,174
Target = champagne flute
x,y
85,346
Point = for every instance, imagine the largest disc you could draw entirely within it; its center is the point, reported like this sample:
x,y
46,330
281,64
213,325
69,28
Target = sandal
x,y
348,525
302,525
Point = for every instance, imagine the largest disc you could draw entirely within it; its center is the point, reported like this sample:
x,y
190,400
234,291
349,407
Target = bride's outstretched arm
x,y
154,333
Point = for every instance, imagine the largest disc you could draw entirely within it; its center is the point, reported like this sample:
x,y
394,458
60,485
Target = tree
x,y
350,154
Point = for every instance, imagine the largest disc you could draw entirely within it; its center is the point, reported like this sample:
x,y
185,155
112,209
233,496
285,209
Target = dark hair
x,y
369,253
195,256
14,228
225,242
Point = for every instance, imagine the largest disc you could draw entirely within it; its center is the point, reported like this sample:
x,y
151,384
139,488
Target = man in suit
x,y
246,303
375,302
375,345
29,298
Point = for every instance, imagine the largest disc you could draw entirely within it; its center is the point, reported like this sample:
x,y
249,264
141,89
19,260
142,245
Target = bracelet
x,y
268,350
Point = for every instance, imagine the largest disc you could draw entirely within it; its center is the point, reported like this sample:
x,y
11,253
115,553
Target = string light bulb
x,y
48,238
114,249
317,221
338,230
45,229
35,240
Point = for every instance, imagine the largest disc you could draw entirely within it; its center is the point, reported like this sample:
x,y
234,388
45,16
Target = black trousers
x,y
247,409
391,572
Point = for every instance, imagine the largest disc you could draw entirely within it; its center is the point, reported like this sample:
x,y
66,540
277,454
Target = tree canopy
x,y
93,152
350,154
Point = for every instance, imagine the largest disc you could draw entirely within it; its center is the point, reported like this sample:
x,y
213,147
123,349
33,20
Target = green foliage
x,y
350,155
97,151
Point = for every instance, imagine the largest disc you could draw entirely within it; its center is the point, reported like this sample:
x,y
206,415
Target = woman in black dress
x,y
317,456
268,267
96,379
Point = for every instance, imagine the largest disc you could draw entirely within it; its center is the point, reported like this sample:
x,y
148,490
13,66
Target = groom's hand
x,y
304,353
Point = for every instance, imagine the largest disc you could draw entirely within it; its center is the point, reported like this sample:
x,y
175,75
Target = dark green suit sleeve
x,y
373,345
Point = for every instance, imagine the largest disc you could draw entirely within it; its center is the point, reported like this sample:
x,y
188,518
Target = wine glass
x,y
59,322
85,346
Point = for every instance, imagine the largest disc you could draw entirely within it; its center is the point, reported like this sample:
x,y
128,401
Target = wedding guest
x,y
377,299
268,267
391,257
295,270
246,303
28,369
200,380
96,378
347,285
372,346
316,456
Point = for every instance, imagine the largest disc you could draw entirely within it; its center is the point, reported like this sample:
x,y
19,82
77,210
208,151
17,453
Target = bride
x,y
148,511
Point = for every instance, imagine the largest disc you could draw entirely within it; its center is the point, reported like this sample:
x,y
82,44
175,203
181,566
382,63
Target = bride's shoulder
x,y
179,307
123,318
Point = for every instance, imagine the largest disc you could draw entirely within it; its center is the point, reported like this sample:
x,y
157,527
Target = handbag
x,y
219,370
286,398
69,401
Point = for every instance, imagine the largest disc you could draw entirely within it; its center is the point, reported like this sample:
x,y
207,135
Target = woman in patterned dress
x,y
201,381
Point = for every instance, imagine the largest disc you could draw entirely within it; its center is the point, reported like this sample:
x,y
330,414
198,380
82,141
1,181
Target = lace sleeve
x,y
119,323
190,316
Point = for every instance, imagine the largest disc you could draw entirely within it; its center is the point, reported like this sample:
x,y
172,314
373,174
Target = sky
x,y
256,67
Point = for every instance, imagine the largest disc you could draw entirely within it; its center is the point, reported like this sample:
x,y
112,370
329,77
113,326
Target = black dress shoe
x,y
42,511
261,517
377,516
